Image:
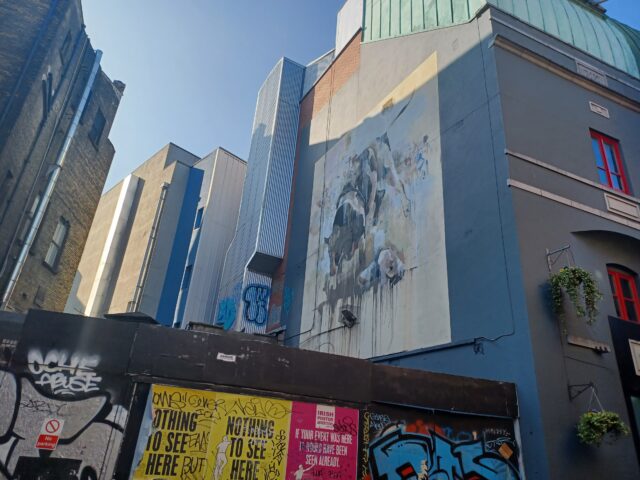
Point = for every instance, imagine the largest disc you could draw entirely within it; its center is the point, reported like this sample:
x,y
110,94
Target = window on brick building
x,y
4,188
65,49
96,129
57,243
38,300
29,219
47,94
609,161
624,289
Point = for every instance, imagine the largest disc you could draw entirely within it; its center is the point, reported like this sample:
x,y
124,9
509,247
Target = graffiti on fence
x,y
62,386
412,445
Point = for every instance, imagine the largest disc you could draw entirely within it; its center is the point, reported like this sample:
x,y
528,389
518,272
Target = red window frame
x,y
605,169
615,277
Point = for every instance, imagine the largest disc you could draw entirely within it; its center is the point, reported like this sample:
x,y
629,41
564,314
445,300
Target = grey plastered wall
x,y
484,278
547,118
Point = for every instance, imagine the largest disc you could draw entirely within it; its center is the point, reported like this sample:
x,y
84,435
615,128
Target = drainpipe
x,y
51,184
134,305
62,109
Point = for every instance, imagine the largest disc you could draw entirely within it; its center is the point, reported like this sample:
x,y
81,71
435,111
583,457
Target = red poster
x,y
323,442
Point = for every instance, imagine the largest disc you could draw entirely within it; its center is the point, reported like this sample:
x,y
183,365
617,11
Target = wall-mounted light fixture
x,y
348,318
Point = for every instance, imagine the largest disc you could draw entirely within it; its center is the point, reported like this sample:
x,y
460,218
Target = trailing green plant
x,y
578,283
593,427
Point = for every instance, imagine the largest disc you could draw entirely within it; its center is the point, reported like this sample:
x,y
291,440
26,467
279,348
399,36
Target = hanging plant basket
x,y
581,289
595,427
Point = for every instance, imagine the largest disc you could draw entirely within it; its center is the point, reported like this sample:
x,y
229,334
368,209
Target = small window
x,y
4,188
65,49
96,129
57,243
83,116
609,162
198,223
47,94
625,294
29,219
38,300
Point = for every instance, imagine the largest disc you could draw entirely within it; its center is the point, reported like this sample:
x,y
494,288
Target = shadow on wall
x,y
74,304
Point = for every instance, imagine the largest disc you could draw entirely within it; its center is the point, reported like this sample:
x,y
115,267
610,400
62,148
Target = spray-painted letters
x,y
224,436
64,373
256,304
408,444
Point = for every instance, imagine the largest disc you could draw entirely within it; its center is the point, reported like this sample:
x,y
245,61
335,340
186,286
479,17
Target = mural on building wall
x,y
409,444
376,240
201,434
63,394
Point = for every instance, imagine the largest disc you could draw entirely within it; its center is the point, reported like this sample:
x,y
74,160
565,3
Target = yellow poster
x,y
251,441
199,434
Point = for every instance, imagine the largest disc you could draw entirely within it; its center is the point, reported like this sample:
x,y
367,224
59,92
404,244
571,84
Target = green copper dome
x,y
572,21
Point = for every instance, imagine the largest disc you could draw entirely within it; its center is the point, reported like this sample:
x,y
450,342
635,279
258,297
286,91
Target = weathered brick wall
x,y
81,181
21,24
25,132
333,79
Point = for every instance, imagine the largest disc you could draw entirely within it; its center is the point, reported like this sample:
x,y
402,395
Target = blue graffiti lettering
x,y
256,303
226,313
400,455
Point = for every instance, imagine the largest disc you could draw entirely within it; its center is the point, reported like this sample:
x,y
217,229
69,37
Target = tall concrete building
x,y
451,156
56,111
213,230
135,254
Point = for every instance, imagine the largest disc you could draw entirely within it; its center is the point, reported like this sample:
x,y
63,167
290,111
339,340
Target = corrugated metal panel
x,y
275,205
568,20
254,303
264,209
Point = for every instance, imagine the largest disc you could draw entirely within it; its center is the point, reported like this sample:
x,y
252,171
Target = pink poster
x,y
323,442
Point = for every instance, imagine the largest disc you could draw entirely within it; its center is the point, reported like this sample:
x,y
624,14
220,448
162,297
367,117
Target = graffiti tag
x,y
226,313
256,303
65,374
401,455
87,448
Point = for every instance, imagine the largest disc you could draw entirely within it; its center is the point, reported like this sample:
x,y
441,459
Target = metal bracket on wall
x,y
598,347
583,387
554,256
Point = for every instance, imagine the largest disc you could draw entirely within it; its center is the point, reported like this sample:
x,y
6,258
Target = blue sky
x,y
193,67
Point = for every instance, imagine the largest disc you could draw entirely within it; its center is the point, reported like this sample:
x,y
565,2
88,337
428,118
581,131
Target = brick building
x,y
56,111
